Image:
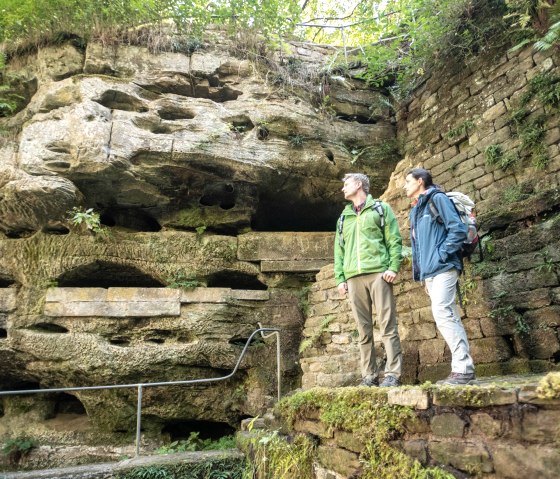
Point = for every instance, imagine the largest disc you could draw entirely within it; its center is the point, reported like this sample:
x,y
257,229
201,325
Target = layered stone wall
x,y
500,431
471,126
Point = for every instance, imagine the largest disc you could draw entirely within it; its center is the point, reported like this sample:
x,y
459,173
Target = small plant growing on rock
x,y
296,140
88,218
16,449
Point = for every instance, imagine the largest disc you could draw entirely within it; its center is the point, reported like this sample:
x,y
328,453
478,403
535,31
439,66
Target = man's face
x,y
412,186
350,188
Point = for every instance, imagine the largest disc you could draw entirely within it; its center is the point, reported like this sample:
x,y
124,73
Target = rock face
x,y
172,141
470,126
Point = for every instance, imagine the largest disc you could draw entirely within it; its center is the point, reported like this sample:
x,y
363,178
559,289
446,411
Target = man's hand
x,y
343,288
389,276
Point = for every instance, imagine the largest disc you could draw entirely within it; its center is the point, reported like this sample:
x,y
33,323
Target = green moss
x,y
197,217
365,413
549,386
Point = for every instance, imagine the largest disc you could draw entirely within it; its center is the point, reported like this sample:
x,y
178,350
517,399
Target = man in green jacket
x,y
367,258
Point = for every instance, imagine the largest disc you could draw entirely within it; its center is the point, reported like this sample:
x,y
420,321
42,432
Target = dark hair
x,y
425,175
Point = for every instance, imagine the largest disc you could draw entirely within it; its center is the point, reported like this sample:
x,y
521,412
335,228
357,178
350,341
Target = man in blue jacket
x,y
436,260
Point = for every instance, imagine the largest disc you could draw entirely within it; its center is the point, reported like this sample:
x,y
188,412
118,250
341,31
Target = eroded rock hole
x,y
6,281
56,230
206,430
358,118
68,404
3,333
235,280
49,328
103,274
132,219
175,113
119,100
220,194
119,341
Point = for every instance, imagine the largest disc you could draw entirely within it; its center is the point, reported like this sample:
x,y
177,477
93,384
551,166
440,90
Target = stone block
x,y
299,266
416,398
489,350
538,344
64,295
317,428
473,396
465,456
349,441
416,448
420,331
7,299
483,423
433,351
541,426
448,425
512,461
494,112
250,294
285,246
205,295
337,459
142,294
113,309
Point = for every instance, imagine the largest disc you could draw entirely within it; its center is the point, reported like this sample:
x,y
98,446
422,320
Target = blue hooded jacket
x,y
436,246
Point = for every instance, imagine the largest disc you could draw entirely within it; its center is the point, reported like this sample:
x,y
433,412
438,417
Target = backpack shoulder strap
x,y
340,224
378,206
433,209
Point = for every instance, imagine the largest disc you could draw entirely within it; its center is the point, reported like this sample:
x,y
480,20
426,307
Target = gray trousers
x,y
365,293
448,320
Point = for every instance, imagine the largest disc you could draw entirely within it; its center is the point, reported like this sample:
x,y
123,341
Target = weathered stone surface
x,y
474,396
293,266
534,461
465,456
336,459
285,246
7,299
415,397
116,309
448,425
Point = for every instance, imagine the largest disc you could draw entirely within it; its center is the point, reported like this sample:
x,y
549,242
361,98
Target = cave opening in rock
x,y
68,404
289,213
6,281
206,429
365,120
49,328
103,274
234,280
131,218
3,333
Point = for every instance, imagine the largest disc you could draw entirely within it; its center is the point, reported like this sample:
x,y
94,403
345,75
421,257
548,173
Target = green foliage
x,y
181,280
296,140
513,194
313,340
495,155
509,314
15,449
460,130
211,469
273,456
88,218
546,264
365,413
195,443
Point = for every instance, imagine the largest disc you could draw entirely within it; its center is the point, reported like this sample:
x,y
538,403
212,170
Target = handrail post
x,y
278,368
138,420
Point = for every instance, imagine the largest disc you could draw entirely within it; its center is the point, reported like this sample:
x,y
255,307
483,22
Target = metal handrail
x,y
140,386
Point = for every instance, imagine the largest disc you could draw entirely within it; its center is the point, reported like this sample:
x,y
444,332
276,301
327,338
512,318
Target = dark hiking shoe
x,y
458,379
370,381
389,382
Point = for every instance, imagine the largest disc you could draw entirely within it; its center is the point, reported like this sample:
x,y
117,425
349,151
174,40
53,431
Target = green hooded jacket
x,y
365,248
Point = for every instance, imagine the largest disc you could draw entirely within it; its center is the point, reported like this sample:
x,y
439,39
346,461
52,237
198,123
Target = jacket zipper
x,y
358,245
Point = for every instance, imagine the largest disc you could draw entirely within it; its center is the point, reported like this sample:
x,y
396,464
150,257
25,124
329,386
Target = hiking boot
x,y
370,381
458,379
390,381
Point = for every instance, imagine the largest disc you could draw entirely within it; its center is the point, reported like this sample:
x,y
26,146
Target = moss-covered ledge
x,y
494,429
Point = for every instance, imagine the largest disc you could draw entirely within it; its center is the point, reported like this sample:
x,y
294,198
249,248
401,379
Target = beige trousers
x,y
365,293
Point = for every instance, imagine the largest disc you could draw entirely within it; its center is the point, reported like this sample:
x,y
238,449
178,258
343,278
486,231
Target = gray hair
x,y
363,179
